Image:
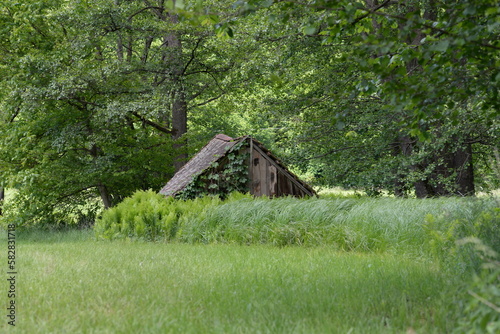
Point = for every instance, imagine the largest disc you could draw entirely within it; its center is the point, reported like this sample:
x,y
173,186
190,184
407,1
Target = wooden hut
x,y
243,164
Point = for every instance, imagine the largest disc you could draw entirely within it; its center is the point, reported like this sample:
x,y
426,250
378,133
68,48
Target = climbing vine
x,y
223,177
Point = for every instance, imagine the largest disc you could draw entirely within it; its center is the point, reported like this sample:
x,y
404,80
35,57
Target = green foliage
x,y
88,89
29,210
69,124
87,94
444,232
223,177
447,40
348,224
150,216
481,313
417,84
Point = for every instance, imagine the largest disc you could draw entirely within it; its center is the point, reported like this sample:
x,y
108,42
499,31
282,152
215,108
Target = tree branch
x,y
160,9
208,101
16,113
153,124
74,193
192,56
372,11
334,151
441,31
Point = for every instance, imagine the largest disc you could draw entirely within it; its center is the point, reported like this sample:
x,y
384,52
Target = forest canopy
x,y
100,98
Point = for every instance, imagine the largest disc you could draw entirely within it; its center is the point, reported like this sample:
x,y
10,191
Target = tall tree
x,y
433,67
95,98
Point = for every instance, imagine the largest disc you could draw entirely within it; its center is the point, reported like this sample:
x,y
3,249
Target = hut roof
x,y
213,151
217,148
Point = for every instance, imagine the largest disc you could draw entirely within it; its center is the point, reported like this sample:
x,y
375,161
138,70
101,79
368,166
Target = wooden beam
x,y
250,169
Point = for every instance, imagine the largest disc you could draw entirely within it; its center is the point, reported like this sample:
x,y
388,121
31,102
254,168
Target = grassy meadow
x,y
246,266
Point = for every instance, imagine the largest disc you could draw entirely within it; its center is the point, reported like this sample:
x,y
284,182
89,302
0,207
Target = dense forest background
x,y
100,98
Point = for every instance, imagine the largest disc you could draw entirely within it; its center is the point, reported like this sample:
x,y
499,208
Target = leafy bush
x,y
443,233
482,309
27,211
150,216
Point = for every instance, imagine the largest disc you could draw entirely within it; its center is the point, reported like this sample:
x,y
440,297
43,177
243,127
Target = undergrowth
x,y
150,216
481,311
430,226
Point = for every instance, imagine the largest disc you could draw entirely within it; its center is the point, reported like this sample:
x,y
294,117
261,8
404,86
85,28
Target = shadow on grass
x,y
65,235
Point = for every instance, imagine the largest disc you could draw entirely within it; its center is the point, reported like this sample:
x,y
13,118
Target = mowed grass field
x,y
70,283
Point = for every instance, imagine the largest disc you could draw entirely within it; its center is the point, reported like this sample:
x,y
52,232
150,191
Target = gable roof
x,y
213,151
217,148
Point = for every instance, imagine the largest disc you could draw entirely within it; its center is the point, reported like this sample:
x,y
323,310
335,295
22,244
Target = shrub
x,y
150,216
27,211
147,215
481,313
443,233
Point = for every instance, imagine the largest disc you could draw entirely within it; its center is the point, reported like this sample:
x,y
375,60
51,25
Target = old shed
x,y
242,164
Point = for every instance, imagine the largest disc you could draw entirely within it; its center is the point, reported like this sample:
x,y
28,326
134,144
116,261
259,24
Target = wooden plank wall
x,y
257,174
266,179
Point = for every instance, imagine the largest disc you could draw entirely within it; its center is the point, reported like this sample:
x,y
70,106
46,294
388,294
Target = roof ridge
x,y
223,137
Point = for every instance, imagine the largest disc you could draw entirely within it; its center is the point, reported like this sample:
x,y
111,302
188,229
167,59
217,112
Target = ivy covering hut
x,y
242,164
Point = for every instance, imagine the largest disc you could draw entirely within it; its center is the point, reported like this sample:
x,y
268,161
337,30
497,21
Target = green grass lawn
x,y
70,283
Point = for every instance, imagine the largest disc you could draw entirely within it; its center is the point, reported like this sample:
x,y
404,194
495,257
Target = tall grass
x,y
348,224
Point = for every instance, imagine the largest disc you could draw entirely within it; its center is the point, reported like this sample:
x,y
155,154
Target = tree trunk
x,y
452,172
179,103
147,46
399,184
421,190
119,42
179,125
105,196
465,171
2,197
420,186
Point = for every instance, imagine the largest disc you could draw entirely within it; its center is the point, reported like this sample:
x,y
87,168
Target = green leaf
x,y
441,46
276,79
492,11
267,3
179,4
310,30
